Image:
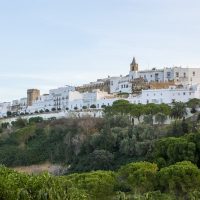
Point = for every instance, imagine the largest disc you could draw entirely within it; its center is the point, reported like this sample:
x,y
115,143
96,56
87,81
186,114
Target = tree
x,y
178,110
193,103
53,109
19,123
151,109
136,110
93,106
103,106
5,125
148,119
140,177
179,179
127,147
9,113
185,126
121,107
160,118
84,107
35,120
174,150
100,159
121,102
98,184
165,109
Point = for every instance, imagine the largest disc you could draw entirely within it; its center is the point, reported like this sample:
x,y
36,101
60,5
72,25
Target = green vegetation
x,y
140,180
130,153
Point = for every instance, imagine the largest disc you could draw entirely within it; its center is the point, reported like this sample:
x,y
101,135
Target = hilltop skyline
x,y
50,44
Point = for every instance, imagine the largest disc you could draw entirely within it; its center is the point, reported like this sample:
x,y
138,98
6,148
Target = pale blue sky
x,y
50,43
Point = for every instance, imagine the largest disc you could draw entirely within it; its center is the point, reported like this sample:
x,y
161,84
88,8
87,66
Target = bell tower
x,y
133,65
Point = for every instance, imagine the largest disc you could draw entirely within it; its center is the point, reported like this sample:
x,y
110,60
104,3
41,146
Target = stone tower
x,y
32,95
133,65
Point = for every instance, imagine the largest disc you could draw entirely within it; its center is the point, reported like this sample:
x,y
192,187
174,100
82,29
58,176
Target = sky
x,y
46,44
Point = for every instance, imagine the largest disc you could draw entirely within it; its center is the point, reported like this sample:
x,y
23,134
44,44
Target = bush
x,y
5,125
139,177
19,123
35,120
179,179
9,114
93,106
99,184
171,150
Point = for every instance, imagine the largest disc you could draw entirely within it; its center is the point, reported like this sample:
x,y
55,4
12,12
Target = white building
x,y
4,108
61,96
44,102
173,93
87,99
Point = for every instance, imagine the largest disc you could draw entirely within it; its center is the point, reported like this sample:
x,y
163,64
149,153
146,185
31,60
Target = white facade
x,y
120,84
87,99
61,96
167,96
67,99
44,102
4,108
186,75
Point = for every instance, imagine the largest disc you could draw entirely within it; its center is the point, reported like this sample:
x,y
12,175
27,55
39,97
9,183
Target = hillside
x,y
149,160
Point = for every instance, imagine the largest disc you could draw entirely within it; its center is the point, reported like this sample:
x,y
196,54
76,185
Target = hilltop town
x,y
157,86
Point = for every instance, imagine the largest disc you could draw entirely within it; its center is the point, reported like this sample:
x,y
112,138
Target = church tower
x,y
133,65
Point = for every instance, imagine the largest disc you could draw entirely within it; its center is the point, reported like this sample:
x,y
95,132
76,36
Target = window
x,y
168,74
183,93
177,74
184,75
193,73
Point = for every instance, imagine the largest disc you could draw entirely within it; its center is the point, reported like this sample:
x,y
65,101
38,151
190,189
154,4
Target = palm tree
x,y
178,110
